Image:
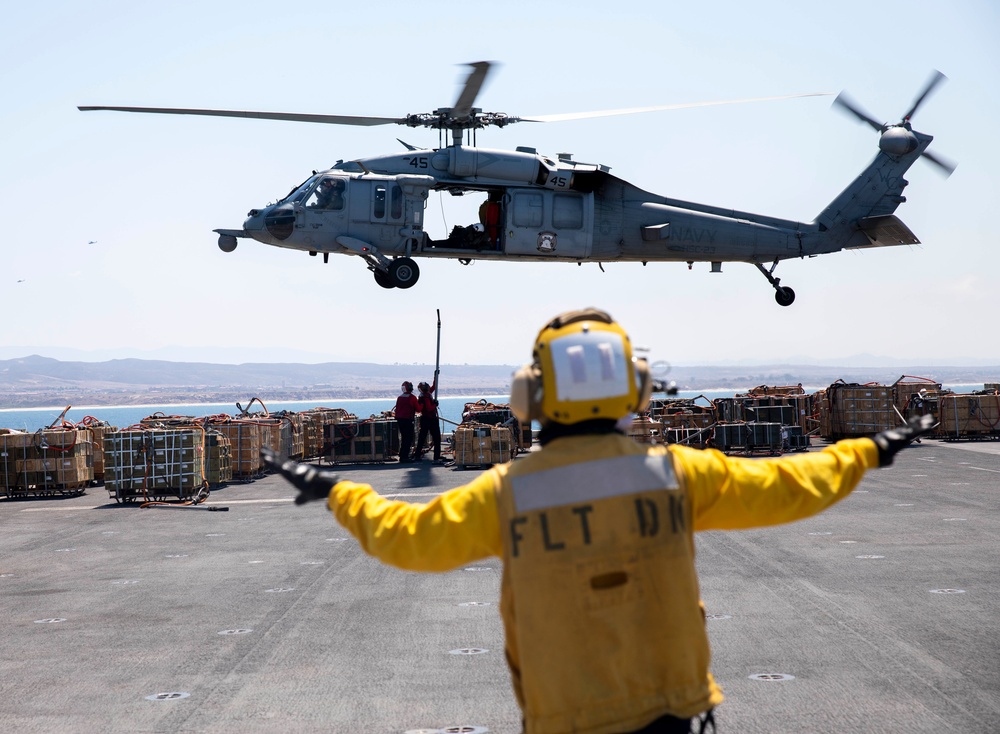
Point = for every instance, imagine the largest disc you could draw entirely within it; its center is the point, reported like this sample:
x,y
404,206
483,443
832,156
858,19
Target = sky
x,y
108,249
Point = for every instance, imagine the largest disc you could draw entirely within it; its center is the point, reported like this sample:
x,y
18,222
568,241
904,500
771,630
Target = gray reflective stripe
x,y
592,480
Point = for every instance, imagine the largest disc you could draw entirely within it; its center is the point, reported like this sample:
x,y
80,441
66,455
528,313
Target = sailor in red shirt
x,y
407,407
428,420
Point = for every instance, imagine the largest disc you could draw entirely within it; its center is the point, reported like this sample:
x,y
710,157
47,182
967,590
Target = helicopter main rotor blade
x,y
657,108
285,116
474,82
845,102
936,78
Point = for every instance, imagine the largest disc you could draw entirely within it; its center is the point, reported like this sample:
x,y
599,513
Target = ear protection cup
x,y
583,369
526,393
645,380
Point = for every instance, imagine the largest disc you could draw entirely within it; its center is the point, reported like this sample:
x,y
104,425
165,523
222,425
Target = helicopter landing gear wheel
x,y
784,295
384,279
404,272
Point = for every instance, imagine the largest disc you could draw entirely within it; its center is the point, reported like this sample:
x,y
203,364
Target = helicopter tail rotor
x,y
935,79
897,138
845,102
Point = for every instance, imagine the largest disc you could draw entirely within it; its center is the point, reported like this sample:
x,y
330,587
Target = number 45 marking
x,y
419,161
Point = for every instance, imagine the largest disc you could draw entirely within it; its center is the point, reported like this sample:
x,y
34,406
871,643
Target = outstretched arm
x,y
729,493
455,528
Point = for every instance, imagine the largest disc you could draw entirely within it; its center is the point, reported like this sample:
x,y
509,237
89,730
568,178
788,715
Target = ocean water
x,y
122,416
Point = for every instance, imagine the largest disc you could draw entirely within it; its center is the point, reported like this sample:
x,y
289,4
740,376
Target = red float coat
x,y
407,406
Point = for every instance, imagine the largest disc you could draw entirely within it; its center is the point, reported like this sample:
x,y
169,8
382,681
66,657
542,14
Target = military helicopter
x,y
552,208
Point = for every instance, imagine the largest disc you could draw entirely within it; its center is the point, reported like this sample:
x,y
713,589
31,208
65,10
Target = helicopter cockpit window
x,y
329,195
299,191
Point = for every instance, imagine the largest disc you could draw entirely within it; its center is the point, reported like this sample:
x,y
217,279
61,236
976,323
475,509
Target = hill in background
x,y
36,381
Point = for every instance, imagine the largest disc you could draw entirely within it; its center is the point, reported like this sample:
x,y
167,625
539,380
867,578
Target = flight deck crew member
x,y
428,419
407,408
605,630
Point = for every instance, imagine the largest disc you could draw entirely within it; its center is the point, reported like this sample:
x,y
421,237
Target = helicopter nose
x,y
279,222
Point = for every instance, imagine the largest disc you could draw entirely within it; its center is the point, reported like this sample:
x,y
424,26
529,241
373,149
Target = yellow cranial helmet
x,y
583,369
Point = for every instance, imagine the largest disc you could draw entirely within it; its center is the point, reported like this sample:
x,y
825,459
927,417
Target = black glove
x,y
312,483
891,441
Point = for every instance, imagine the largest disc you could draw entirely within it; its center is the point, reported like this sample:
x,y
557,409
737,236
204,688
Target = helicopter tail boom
x,y
862,214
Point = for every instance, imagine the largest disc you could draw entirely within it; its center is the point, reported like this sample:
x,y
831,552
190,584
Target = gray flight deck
x,y
880,615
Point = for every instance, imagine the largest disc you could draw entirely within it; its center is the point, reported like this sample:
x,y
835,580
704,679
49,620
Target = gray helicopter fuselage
x,y
558,209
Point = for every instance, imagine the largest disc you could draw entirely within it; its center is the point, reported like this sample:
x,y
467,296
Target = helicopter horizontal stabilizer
x,y
884,231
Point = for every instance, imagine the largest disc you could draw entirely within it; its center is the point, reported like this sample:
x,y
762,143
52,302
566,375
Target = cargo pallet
x,y
754,438
154,464
245,441
368,441
478,445
46,463
499,414
974,417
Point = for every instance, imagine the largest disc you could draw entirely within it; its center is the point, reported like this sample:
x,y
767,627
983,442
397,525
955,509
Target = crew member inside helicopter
x,y
489,217
328,195
484,235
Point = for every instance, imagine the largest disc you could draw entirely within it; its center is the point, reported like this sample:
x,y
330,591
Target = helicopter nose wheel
x,y
404,272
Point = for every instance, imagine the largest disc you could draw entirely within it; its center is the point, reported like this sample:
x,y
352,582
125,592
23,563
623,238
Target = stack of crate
x,y
245,440
294,424
218,459
98,429
787,405
366,441
176,461
274,434
763,436
478,444
805,411
644,430
315,422
969,416
795,439
312,435
46,462
776,390
730,437
154,463
499,414
686,436
697,419
859,410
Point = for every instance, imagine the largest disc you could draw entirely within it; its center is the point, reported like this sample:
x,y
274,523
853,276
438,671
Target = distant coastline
x,y
318,401
41,382
158,397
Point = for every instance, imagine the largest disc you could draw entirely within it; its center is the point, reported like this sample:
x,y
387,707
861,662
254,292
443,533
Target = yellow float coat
x,y
604,626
